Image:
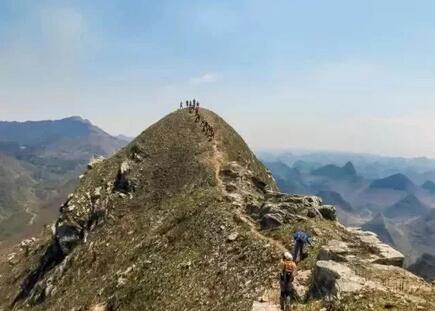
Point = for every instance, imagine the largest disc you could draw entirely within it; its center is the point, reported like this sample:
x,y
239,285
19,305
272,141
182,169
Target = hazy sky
x,y
338,75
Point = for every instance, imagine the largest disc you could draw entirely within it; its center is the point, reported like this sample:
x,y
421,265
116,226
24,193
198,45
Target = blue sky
x,y
337,75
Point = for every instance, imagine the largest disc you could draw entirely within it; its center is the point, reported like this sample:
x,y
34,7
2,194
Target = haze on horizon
x,y
336,75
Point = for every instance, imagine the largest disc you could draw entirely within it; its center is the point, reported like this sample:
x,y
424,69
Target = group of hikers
x,y
288,266
193,106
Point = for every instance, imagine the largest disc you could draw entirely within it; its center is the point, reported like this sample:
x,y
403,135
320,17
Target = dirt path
x,y
32,214
217,160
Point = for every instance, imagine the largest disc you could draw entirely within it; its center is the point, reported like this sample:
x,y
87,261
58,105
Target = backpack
x,y
300,236
287,273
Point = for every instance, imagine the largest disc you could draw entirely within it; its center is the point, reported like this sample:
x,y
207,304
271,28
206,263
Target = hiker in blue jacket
x,y
300,238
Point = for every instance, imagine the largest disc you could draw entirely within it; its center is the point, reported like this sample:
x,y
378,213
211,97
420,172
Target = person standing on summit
x,y
300,238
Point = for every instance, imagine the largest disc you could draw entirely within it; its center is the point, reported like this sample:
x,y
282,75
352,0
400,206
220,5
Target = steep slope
x,y
420,234
177,220
16,183
394,182
424,266
410,206
39,162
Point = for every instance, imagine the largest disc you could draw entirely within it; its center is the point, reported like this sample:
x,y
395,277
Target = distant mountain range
x,y
379,194
40,162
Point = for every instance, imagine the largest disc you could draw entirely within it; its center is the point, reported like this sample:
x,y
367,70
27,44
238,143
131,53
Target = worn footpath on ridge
x,y
177,222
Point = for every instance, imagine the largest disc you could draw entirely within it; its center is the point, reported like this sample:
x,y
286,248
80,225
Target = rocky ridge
x,y
174,222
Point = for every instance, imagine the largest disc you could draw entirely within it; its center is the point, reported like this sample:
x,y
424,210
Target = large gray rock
x,y
384,254
333,278
334,250
264,306
301,284
328,212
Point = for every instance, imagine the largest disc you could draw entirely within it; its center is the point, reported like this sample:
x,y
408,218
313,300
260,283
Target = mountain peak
x,y
429,185
409,206
333,171
394,182
350,168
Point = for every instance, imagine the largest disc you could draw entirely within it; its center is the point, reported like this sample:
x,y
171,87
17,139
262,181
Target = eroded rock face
x,y
79,215
122,182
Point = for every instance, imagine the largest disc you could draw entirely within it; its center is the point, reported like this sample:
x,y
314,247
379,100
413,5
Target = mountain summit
x,y
348,171
180,219
398,182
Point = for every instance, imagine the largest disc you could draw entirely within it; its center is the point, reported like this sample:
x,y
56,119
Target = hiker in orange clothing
x,y
287,273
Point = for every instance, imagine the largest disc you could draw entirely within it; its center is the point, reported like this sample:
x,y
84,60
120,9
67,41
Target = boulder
x,y
385,254
270,221
95,161
233,236
328,212
334,250
232,170
333,278
264,306
12,259
312,201
99,307
67,237
301,284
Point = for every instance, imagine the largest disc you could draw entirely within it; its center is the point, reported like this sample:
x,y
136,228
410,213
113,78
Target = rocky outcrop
x,y
328,212
122,182
264,306
383,253
334,250
334,278
342,266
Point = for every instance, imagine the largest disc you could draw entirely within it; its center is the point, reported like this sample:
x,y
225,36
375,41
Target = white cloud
x,y
204,79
